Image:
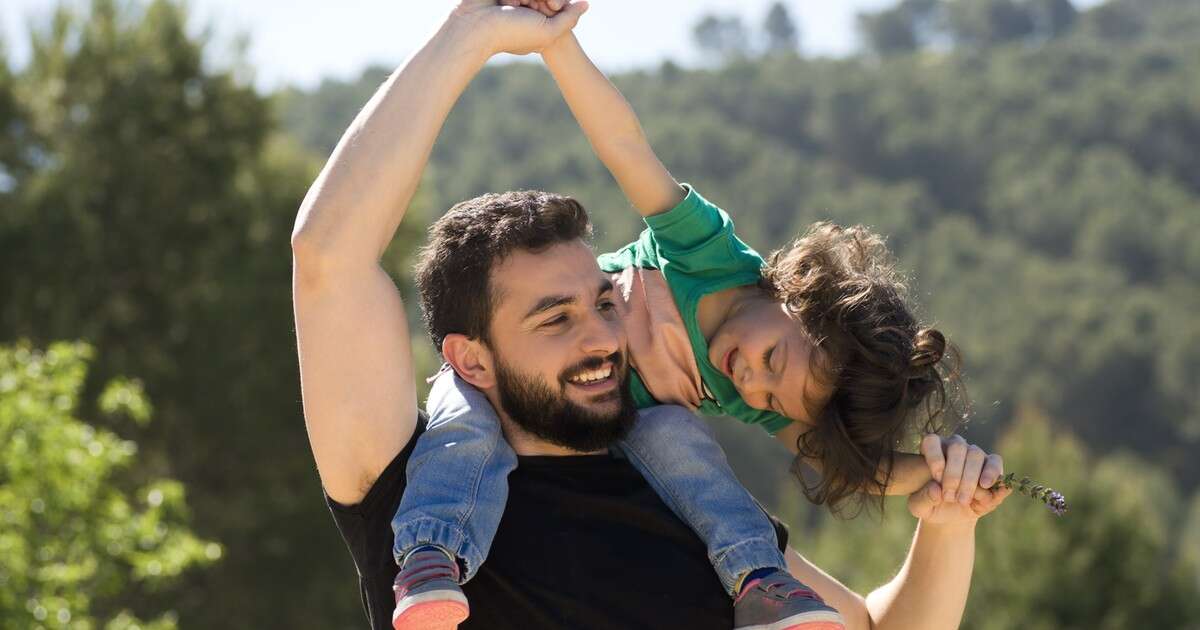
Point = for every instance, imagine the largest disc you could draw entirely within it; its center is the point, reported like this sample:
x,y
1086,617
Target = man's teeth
x,y
591,376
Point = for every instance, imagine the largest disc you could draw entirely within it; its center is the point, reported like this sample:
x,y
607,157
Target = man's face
x,y
559,348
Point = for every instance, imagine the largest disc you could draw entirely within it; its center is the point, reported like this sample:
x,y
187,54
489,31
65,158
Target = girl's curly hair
x,y
891,377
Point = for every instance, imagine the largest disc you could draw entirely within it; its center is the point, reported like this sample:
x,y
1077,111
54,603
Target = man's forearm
x,y
930,591
353,208
612,128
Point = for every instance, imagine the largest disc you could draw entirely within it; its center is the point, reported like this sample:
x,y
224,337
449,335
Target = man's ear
x,y
471,359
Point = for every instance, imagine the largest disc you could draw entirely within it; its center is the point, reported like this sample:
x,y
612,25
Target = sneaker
x,y
781,602
427,593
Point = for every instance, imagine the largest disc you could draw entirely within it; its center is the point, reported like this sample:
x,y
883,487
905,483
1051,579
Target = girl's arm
x,y
612,128
967,469
930,590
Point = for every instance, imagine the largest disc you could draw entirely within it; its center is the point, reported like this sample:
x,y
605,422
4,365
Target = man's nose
x,y
601,336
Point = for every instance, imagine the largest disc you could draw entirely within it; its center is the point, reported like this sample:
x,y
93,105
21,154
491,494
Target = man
x,y
568,550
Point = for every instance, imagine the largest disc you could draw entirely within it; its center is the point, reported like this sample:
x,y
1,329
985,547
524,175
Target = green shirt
x,y
694,246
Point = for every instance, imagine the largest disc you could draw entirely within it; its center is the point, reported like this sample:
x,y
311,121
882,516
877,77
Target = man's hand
x,y
516,27
963,476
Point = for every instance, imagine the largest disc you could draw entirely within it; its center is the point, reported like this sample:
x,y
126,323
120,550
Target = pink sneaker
x,y
427,593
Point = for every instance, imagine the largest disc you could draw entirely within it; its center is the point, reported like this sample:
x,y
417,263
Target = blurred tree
x,y
1117,20
902,28
83,541
983,23
721,37
1111,562
154,223
782,34
1053,18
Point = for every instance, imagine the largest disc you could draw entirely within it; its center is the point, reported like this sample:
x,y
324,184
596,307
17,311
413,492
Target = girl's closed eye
x,y
554,321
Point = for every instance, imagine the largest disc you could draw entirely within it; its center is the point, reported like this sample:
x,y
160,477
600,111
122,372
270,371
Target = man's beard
x,y
552,416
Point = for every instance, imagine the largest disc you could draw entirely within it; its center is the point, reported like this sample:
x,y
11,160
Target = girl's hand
x,y
963,479
519,27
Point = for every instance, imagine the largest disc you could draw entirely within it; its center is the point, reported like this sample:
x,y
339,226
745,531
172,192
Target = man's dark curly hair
x,y
453,270
891,377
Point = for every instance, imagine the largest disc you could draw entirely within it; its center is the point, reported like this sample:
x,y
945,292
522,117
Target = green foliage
x,y
82,540
1113,562
151,217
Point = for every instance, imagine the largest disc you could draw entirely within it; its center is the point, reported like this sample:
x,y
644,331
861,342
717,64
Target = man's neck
x,y
525,443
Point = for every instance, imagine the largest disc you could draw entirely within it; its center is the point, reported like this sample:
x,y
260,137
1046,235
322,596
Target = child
x,y
815,345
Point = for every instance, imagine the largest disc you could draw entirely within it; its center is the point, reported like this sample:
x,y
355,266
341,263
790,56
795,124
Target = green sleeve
x,y
697,238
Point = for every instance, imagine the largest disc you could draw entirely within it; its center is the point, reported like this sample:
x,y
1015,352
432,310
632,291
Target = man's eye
x,y
607,306
767,356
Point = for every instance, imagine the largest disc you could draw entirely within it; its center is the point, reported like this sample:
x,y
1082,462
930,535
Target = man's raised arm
x,y
930,590
356,369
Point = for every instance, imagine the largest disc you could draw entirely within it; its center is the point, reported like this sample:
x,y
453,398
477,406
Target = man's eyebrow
x,y
554,301
549,302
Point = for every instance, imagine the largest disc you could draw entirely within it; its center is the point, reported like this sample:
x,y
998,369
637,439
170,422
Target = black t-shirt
x,y
585,543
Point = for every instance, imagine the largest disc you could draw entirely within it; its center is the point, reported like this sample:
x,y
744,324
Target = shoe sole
x,y
816,620
437,610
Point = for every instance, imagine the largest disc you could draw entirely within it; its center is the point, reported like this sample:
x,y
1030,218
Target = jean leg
x,y
457,477
687,468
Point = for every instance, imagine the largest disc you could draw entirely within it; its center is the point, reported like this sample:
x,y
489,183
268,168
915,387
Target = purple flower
x,y
1053,499
1057,503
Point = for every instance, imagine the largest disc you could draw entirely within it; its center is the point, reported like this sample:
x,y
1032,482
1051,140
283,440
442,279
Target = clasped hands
x,y
518,27
964,485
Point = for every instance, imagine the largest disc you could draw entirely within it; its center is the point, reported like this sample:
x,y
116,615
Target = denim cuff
x,y
428,531
738,560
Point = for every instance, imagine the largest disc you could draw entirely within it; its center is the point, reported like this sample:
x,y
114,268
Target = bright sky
x,y
301,41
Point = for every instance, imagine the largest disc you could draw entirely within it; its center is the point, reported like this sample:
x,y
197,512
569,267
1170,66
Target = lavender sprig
x,y
1053,499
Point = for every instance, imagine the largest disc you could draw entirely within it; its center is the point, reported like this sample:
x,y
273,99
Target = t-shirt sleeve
x,y
366,528
781,532
697,237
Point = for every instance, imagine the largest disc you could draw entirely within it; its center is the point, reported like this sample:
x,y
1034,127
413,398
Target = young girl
x,y
815,344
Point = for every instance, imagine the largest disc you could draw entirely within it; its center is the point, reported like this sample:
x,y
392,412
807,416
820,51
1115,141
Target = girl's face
x,y
770,360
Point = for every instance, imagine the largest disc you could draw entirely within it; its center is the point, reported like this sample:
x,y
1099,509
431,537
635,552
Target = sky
x,y
299,42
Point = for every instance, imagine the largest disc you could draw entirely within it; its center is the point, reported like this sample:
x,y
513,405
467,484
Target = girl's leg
x,y
457,477
684,464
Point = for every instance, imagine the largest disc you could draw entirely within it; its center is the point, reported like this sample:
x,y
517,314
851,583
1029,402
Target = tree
x,y
153,222
782,34
83,542
1053,18
721,37
900,29
983,23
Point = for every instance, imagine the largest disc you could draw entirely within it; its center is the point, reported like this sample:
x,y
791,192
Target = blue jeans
x,y
458,483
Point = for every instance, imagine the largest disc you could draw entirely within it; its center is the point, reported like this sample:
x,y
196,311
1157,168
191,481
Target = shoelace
x,y
423,567
774,588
